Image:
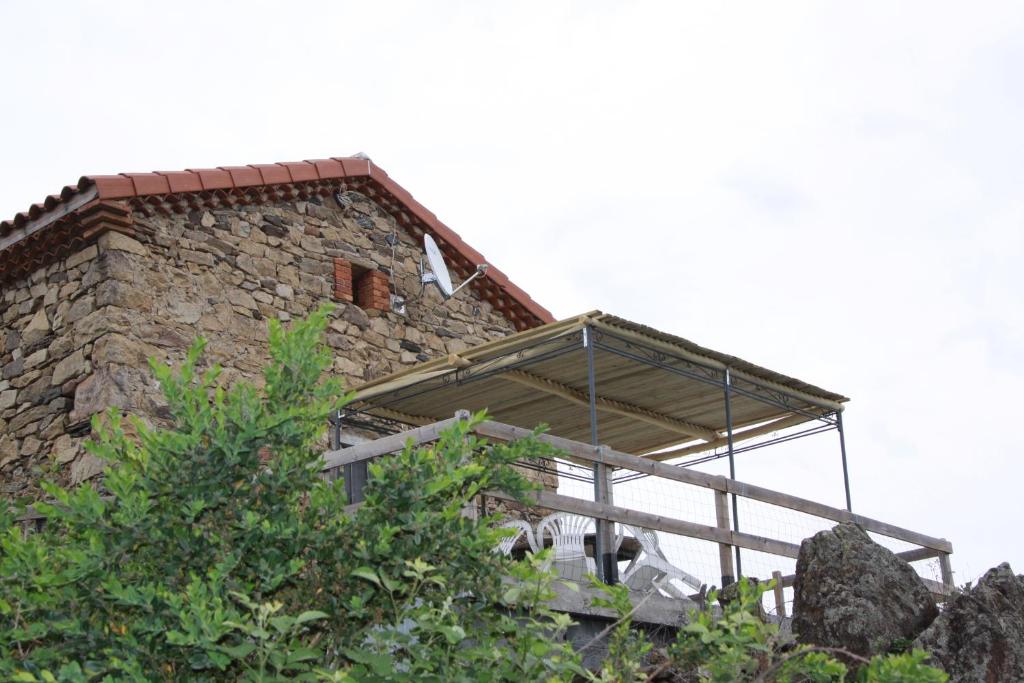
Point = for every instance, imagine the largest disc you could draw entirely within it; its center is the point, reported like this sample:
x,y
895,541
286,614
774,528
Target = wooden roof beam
x,y
607,405
775,425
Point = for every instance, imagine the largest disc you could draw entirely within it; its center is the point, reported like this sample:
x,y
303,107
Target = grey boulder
x,y
854,594
979,637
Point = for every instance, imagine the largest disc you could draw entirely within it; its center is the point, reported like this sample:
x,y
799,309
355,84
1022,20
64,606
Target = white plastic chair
x,y
506,545
567,531
650,566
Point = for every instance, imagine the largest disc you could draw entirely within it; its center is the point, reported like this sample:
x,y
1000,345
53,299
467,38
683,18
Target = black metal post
x,y
607,569
335,421
732,464
354,474
842,449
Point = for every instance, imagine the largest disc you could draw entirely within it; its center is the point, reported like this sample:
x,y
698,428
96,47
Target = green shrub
x,y
206,564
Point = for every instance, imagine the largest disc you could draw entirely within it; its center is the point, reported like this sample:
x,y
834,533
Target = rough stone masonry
x,y
76,334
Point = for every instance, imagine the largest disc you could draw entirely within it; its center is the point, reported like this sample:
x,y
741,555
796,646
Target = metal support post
x,y
842,449
354,474
335,421
732,464
607,568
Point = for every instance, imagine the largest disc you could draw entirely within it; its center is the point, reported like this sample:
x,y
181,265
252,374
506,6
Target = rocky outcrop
x,y
979,637
852,593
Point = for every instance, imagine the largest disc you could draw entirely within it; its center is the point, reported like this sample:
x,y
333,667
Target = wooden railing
x,y
722,487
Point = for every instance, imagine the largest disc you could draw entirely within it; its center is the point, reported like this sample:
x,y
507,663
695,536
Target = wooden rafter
x,y
608,405
775,425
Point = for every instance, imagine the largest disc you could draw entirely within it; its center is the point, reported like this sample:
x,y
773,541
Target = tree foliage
x,y
209,561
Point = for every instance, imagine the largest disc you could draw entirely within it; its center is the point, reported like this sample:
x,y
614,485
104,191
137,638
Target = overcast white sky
x,y
833,190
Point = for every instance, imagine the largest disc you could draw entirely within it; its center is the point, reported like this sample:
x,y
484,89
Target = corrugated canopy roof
x,y
654,390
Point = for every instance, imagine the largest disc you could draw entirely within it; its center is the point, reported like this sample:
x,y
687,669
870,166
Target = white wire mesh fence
x,y
700,557
673,528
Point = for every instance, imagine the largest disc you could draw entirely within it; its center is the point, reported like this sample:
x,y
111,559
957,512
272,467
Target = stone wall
x,y
78,333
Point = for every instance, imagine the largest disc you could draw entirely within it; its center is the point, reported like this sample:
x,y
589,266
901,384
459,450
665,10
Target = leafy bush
x,y
211,562
735,645
207,564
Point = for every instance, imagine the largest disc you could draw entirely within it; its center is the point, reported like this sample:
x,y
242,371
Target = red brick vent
x,y
372,292
367,288
342,280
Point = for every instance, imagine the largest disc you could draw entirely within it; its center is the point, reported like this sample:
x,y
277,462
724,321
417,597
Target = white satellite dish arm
x,y
480,271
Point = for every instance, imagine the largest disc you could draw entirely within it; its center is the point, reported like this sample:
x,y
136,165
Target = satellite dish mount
x,y
438,273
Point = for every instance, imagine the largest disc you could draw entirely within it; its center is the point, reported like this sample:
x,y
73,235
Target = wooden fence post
x,y
947,572
724,549
608,564
780,596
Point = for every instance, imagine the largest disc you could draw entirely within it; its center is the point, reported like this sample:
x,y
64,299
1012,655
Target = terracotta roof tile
x,y
181,181
149,183
243,176
328,168
213,178
155,188
273,174
113,186
354,167
301,170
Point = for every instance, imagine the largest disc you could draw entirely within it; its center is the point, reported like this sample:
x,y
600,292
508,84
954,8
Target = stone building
x,y
119,269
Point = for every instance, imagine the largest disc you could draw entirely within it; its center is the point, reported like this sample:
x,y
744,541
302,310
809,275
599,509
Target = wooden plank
x,y
947,571
836,514
416,373
688,476
724,550
773,426
588,453
780,596
936,587
385,445
407,418
612,513
607,405
918,554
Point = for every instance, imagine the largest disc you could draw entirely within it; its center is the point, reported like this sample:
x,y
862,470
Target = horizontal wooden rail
x,y
936,588
613,513
385,445
919,554
603,454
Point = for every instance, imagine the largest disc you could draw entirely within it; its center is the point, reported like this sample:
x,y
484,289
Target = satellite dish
x,y
438,269
439,274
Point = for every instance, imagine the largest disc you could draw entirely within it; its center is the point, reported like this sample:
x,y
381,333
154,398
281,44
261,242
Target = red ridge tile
x,y
182,181
328,168
213,178
149,183
243,176
354,167
113,186
301,171
273,174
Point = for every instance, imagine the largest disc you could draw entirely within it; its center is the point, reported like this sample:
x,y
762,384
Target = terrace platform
x,y
633,410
